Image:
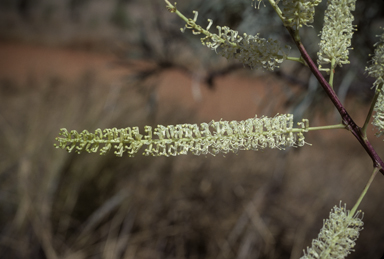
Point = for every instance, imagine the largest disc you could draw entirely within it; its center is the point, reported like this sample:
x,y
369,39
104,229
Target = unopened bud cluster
x,y
337,237
250,50
337,33
299,12
208,138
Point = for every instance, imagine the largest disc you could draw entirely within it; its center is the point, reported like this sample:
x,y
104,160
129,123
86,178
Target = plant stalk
x,y
354,209
347,120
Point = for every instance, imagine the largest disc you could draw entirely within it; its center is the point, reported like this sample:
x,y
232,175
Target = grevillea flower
x,y
378,117
337,33
299,12
376,70
337,237
253,51
208,138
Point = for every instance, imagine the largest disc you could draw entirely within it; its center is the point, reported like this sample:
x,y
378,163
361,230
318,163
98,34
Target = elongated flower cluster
x,y
299,12
337,237
378,117
208,138
337,34
376,70
250,50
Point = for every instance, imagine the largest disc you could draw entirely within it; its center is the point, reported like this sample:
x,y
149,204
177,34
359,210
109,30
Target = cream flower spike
x,y
250,50
337,34
208,138
376,70
298,12
337,237
378,117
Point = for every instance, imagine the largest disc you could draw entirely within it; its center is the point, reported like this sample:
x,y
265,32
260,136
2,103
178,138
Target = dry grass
x,y
267,204
249,205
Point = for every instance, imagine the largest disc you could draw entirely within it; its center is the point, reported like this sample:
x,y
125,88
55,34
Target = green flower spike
x,y
337,34
208,138
376,70
337,237
378,117
250,50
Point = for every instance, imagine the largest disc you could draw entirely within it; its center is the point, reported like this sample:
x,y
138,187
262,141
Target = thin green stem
x,y
332,72
172,8
337,126
374,173
296,59
369,115
277,9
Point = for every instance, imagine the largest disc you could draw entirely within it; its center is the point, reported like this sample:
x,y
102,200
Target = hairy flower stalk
x,y
250,50
208,138
376,70
338,235
336,35
297,13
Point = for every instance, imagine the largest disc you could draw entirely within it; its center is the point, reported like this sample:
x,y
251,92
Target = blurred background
x,y
84,64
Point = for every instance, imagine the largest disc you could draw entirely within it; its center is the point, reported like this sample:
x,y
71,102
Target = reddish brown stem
x,y
347,120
